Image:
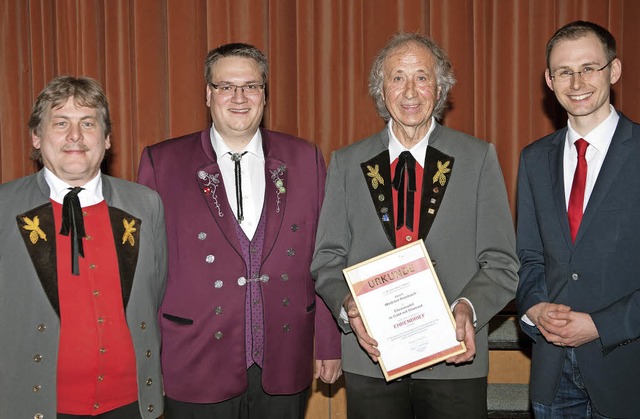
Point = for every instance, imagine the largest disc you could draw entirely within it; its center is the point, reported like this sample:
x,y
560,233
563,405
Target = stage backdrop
x,y
148,54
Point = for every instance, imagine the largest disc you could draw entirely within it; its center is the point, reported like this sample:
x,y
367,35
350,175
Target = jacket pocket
x,y
176,319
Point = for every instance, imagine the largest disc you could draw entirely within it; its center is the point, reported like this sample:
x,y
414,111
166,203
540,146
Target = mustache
x,y
75,147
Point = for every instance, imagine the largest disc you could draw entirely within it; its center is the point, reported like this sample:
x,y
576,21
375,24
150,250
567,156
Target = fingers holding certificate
x,y
408,324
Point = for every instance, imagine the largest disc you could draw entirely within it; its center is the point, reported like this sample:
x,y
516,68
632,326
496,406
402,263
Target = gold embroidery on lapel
x,y
375,175
129,229
34,227
442,169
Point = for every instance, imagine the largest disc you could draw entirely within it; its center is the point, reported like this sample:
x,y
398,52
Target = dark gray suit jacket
x,y
469,234
599,274
29,306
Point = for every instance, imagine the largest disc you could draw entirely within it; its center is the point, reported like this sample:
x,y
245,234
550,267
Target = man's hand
x,y
465,332
328,370
355,321
561,326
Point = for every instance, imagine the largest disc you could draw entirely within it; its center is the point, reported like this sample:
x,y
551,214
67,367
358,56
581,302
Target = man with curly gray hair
x,y
417,179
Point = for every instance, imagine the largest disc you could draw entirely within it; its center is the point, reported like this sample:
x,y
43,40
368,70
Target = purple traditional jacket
x,y
203,313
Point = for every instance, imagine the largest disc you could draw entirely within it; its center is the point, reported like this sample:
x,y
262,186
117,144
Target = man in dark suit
x,y
82,272
579,238
240,314
456,201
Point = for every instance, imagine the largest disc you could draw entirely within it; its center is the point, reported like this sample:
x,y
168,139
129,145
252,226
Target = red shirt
x,y
96,360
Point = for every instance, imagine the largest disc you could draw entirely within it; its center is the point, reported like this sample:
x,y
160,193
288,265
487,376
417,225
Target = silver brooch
x,y
280,189
210,187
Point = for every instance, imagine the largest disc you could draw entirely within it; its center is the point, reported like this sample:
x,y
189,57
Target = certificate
x,y
404,309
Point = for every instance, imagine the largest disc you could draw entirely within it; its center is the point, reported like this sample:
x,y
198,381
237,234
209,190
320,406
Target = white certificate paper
x,y
403,308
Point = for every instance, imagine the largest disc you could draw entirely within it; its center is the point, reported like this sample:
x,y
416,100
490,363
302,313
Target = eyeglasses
x,y
251,89
587,72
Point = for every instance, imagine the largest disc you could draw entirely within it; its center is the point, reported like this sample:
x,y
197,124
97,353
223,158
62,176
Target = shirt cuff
x,y
455,303
526,320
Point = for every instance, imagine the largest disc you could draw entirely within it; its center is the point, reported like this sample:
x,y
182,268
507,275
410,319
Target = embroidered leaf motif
x,y
375,175
440,174
34,227
128,232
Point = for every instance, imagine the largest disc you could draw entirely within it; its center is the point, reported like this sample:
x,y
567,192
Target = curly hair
x,y
444,71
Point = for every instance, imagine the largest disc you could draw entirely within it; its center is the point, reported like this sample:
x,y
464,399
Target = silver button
x,y
148,353
37,358
242,281
264,278
202,235
284,277
381,197
37,388
100,377
218,310
574,276
150,408
218,335
96,406
294,227
218,283
285,302
38,416
143,325
286,328
291,252
210,258
42,327
149,381
92,266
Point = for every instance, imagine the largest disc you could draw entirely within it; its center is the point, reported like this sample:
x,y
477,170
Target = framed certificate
x,y
404,309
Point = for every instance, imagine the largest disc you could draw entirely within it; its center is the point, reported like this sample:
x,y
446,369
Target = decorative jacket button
x,y
294,227
42,327
574,276
264,278
284,277
242,281
210,258
150,408
286,328
37,388
38,416
218,335
291,252
148,353
96,406
149,381
37,358
143,325
218,283
285,302
218,310
202,235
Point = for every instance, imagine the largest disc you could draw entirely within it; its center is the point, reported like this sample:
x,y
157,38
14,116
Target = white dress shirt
x,y
90,195
599,140
418,151
252,176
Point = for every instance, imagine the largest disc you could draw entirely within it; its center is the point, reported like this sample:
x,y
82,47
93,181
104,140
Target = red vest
x,y
404,235
96,360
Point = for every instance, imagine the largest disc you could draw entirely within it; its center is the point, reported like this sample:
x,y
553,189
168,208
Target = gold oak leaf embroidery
x,y
442,169
376,178
34,227
128,232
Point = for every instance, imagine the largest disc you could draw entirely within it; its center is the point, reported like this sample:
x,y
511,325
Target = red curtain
x,y
148,54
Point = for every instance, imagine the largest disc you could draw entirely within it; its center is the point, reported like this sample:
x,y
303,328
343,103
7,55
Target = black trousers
x,y
407,398
253,404
130,411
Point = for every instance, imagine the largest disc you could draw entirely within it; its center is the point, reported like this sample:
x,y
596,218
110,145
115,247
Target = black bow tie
x,y
73,223
406,163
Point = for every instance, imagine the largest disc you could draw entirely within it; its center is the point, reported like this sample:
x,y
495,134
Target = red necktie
x,y
576,199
